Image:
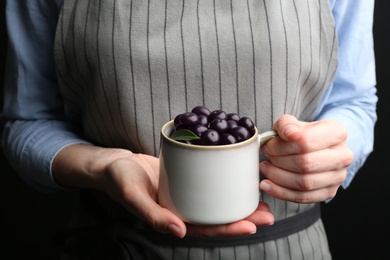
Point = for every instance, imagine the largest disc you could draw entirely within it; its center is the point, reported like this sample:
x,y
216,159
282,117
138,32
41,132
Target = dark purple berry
x,y
247,123
201,110
198,129
216,114
227,139
215,127
210,137
176,121
203,120
181,126
189,119
219,125
240,133
233,116
232,124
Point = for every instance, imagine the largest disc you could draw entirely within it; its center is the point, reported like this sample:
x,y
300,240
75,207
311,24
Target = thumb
x,y
162,219
166,221
288,128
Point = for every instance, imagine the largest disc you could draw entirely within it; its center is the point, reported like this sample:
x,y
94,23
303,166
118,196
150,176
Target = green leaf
x,y
184,135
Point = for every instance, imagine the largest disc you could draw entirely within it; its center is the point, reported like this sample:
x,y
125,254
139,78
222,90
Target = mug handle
x,y
266,136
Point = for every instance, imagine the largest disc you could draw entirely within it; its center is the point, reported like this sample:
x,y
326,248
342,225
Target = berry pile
x,y
214,127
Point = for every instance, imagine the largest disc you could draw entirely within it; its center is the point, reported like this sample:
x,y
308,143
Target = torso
x,y
127,67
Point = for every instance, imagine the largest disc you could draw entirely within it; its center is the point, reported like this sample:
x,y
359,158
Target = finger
x,y
238,228
141,198
299,181
159,218
260,217
298,196
319,161
313,136
288,128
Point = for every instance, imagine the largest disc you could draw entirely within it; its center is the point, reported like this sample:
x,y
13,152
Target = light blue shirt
x,y
35,129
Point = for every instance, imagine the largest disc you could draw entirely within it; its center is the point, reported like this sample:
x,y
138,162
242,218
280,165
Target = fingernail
x,y
252,231
174,229
290,129
265,186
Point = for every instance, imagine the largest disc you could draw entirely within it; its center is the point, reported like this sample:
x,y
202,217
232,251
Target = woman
x,y
90,84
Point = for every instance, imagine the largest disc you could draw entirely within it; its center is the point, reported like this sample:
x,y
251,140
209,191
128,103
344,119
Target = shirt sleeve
x,y
351,99
34,129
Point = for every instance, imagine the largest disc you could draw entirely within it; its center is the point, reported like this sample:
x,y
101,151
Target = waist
x,y
279,229
97,204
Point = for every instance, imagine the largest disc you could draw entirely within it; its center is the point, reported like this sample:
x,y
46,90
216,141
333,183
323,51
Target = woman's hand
x,y
307,162
260,217
136,189
132,180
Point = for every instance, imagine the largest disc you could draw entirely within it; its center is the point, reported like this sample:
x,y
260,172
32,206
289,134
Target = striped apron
x,y
126,67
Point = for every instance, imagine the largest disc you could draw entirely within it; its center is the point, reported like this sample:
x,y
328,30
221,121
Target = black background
x,y
357,220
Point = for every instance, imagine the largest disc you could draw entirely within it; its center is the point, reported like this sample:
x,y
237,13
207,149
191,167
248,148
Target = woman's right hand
x,y
132,180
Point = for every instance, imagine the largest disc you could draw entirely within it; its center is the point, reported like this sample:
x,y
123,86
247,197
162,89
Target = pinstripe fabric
x,y
126,67
277,249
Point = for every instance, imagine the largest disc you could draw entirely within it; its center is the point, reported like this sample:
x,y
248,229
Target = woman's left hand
x,y
260,217
308,161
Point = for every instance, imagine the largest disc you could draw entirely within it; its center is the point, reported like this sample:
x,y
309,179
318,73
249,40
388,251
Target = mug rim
x,y
253,138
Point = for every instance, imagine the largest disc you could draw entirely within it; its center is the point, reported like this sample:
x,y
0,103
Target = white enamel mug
x,y
210,185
